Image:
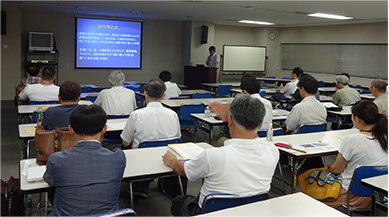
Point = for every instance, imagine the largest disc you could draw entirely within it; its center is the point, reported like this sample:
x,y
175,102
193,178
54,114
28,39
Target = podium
x,y
195,75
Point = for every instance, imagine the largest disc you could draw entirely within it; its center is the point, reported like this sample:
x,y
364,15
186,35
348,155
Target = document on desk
x,y
329,105
35,173
117,125
30,131
187,150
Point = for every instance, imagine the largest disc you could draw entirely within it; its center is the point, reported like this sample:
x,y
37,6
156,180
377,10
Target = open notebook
x,y
187,150
35,173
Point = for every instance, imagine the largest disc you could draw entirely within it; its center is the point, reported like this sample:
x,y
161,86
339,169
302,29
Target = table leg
x,y
131,197
46,199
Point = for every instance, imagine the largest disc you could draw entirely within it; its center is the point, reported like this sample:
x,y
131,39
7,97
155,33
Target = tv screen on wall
x,y
105,43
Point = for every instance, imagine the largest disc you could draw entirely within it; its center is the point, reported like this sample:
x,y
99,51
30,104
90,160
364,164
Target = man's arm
x,y
221,109
171,161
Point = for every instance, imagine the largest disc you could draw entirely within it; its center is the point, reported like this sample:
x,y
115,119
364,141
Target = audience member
x,y
378,88
87,177
344,94
244,166
58,116
154,122
286,92
296,97
172,89
117,100
44,91
32,77
367,147
309,110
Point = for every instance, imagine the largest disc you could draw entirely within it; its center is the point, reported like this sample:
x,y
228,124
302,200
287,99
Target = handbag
x,y
11,198
320,183
50,141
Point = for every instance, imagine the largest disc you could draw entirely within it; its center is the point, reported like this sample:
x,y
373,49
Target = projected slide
x,y
102,43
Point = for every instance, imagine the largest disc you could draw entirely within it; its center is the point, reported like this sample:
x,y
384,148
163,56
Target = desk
x,y
282,80
333,138
268,91
29,109
216,85
84,95
297,204
367,96
191,92
136,168
175,104
377,184
339,116
327,90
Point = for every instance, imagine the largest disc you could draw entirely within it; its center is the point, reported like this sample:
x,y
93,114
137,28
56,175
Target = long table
x,y
377,184
297,204
29,109
175,104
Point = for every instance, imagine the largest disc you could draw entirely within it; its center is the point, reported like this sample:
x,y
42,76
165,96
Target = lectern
x,y
195,75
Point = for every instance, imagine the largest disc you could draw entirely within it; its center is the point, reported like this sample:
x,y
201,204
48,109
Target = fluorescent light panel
x,y
256,22
330,16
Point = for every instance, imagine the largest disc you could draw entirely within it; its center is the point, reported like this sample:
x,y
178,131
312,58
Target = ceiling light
x,y
330,16
256,22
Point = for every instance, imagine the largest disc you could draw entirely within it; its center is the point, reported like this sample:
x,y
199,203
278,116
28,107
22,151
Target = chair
x,y
201,95
355,86
311,128
120,212
186,121
357,188
87,89
179,97
214,202
133,87
286,78
42,102
276,132
132,83
223,90
117,116
91,98
158,143
113,137
321,83
272,83
262,93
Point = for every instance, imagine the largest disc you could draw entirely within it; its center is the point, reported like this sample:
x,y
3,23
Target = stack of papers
x,y
35,173
187,150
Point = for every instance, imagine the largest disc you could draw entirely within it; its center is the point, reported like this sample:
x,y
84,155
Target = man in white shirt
x,y
378,88
309,110
244,166
154,122
290,87
213,60
117,100
44,91
172,89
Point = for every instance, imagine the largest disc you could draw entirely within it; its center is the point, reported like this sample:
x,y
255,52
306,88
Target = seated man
x,y
344,94
58,116
286,92
44,91
87,177
296,97
309,110
244,166
172,89
117,100
33,77
378,88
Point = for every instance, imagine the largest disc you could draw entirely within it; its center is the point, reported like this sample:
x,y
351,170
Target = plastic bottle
x,y
39,117
207,112
269,134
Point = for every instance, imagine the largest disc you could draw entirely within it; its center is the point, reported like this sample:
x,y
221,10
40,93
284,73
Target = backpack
x,y
11,198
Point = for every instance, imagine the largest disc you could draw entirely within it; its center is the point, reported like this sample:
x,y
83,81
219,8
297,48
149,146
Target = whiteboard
x,y
244,58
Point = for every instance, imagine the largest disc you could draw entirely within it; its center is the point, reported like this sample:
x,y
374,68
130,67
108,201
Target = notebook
x,y
187,150
35,173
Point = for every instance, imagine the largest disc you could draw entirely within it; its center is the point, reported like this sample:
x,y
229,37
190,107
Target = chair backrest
x,y
276,132
180,97
214,202
321,83
269,82
262,93
286,78
120,212
91,98
311,128
117,116
86,90
363,172
187,109
158,143
224,90
132,83
355,86
133,87
42,102
201,95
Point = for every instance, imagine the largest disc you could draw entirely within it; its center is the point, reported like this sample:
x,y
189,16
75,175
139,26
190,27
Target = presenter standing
x,y
213,61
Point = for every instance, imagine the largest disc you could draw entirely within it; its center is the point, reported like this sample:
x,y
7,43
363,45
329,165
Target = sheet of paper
x,y
35,173
340,137
187,150
117,125
180,102
329,105
30,131
28,163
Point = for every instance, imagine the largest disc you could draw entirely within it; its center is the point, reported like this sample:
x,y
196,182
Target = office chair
x,y
158,143
214,202
201,95
91,98
357,188
311,128
223,90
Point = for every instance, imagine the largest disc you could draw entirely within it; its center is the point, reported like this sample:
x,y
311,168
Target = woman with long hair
x,y
368,147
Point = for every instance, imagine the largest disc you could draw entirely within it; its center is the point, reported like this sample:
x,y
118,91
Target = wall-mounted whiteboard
x,y
244,58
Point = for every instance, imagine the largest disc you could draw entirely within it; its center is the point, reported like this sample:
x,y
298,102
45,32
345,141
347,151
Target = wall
x,y
11,53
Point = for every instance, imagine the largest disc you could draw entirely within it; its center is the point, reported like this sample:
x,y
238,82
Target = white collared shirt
x,y
289,89
242,166
154,122
308,111
268,118
40,92
172,90
214,59
117,100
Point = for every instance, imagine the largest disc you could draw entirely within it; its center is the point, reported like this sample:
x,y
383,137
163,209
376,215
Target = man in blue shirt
x,y
58,116
87,177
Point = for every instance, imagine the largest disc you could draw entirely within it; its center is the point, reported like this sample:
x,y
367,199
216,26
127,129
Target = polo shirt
x,y
308,111
57,116
117,100
382,104
243,167
172,90
268,118
345,96
154,122
40,92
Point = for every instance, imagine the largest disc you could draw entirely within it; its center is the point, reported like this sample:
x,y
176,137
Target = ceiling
x,y
283,13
